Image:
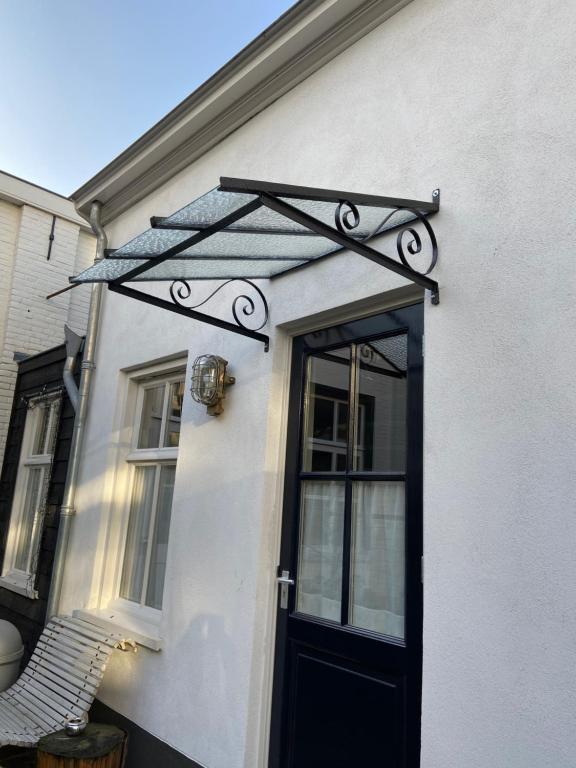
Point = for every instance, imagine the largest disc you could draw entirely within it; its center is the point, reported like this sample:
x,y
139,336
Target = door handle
x,y
285,581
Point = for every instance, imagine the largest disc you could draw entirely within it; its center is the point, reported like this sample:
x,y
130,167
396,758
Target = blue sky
x,y
80,80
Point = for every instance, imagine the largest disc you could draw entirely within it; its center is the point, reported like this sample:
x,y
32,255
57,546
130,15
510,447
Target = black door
x,y
349,632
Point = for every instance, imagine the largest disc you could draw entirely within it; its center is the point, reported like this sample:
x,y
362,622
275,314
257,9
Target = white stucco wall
x,y
476,99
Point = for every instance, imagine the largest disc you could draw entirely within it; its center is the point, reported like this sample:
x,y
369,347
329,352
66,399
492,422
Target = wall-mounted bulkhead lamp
x,y
209,379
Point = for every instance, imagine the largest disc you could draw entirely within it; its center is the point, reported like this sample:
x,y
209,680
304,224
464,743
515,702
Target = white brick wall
x,y
29,322
80,297
9,223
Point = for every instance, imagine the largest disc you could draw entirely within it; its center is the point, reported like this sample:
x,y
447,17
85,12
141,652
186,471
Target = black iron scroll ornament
x,y
243,305
347,218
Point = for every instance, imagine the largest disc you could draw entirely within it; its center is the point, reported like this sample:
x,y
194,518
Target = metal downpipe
x,y
67,510
73,344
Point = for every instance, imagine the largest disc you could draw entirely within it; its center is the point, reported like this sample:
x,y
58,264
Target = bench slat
x,y
75,648
54,691
98,650
89,630
46,674
49,701
61,653
20,702
90,675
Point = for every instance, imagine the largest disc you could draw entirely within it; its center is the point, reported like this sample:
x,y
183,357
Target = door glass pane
x,y
151,423
157,570
172,433
326,411
26,523
380,428
377,557
319,583
138,532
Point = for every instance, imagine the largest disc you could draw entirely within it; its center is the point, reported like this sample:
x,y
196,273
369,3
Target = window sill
x,y
15,583
134,628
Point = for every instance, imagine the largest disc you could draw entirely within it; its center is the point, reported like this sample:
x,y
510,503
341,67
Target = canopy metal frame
x,y
275,197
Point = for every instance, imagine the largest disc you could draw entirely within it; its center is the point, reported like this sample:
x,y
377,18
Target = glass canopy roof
x,y
245,230
250,229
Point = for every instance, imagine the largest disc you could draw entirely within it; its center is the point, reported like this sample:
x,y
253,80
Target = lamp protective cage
x,y
208,381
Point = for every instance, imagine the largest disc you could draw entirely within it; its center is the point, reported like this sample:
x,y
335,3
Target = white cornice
x,y
21,192
301,41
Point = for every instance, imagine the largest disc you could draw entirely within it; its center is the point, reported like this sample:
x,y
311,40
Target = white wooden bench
x,y
59,682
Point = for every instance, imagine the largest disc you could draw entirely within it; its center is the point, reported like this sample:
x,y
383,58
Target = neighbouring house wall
x,y
476,99
9,222
43,371
29,323
80,297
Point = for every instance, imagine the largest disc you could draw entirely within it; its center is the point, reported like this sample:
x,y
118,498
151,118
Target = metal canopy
x,y
244,230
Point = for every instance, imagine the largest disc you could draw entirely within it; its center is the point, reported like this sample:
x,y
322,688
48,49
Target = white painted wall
x,y
478,100
30,323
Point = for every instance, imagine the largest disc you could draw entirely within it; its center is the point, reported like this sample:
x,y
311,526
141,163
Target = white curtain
x,y
138,532
32,503
321,539
159,553
377,559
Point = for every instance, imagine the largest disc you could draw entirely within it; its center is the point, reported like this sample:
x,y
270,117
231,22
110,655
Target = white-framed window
x,y
30,495
152,467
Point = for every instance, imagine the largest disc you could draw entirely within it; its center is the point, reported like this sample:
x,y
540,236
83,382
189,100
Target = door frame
x,y
289,522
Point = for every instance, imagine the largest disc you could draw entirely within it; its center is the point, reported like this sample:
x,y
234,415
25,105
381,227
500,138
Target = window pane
x,y
319,584
323,422
26,522
326,411
157,571
380,429
377,558
41,433
151,417
174,413
138,532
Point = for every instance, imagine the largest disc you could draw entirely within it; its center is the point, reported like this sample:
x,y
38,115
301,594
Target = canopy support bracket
x,y
401,268
192,313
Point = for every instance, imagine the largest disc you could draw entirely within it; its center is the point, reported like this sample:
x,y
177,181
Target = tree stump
x,y
99,746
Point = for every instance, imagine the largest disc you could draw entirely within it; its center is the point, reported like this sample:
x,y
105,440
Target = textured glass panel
x,y
214,205
257,241
155,587
371,219
380,426
266,219
26,523
209,208
151,422
181,269
173,416
319,583
138,531
326,411
153,242
377,557
106,270
247,245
